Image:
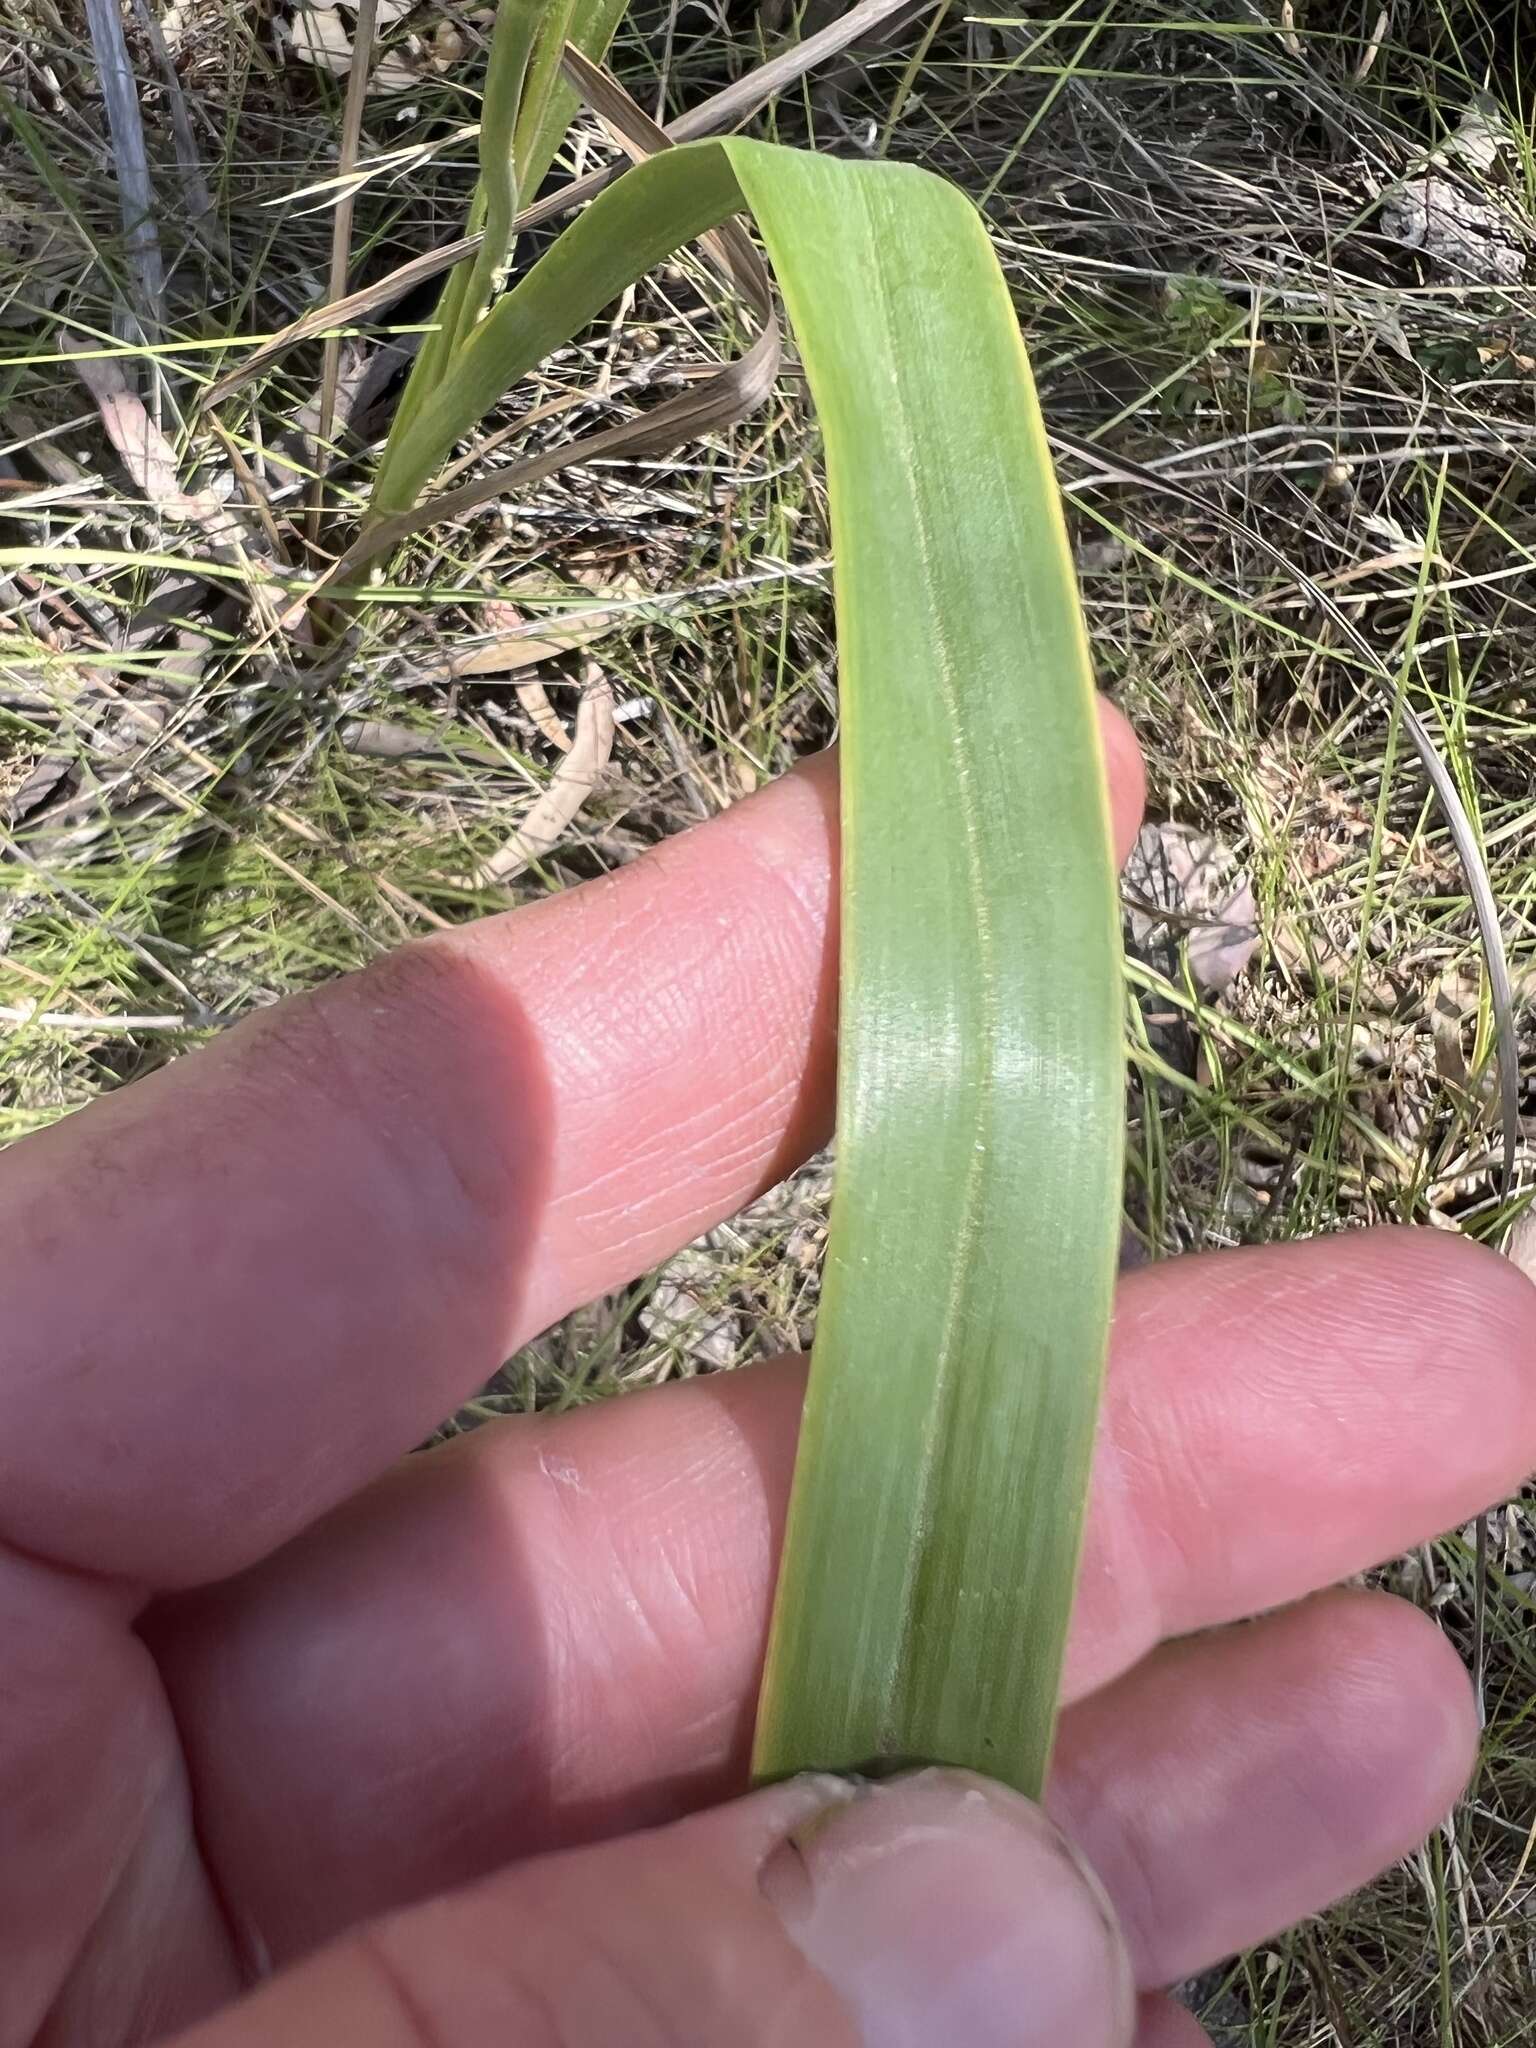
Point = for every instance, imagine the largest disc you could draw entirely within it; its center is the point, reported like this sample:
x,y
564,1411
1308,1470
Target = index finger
x,y
235,1291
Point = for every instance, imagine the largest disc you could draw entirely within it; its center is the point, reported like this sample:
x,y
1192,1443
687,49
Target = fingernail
x,y
945,1909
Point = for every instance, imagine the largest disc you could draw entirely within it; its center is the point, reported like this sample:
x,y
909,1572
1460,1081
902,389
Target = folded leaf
x,y
933,1533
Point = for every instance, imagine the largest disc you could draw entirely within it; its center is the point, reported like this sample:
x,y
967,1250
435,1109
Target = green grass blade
x,y
931,1552
518,110
534,113
512,44
436,351
638,222
934,1529
592,27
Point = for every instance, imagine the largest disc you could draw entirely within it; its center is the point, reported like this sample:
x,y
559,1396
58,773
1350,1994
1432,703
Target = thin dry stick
x,y
199,198
1372,49
135,193
71,1020
341,244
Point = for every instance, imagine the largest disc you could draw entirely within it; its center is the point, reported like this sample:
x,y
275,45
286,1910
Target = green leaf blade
x,y
935,1525
932,1544
637,223
526,110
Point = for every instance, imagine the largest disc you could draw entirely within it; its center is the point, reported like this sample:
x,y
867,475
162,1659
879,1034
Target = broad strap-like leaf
x,y
931,1553
933,1534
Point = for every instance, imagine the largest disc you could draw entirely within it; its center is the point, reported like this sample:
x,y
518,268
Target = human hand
x,y
268,1685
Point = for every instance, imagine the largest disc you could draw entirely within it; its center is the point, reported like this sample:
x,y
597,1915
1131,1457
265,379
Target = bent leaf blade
x,y
932,1546
929,1563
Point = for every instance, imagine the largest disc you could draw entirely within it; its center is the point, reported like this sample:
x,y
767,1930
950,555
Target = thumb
x,y
931,1908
